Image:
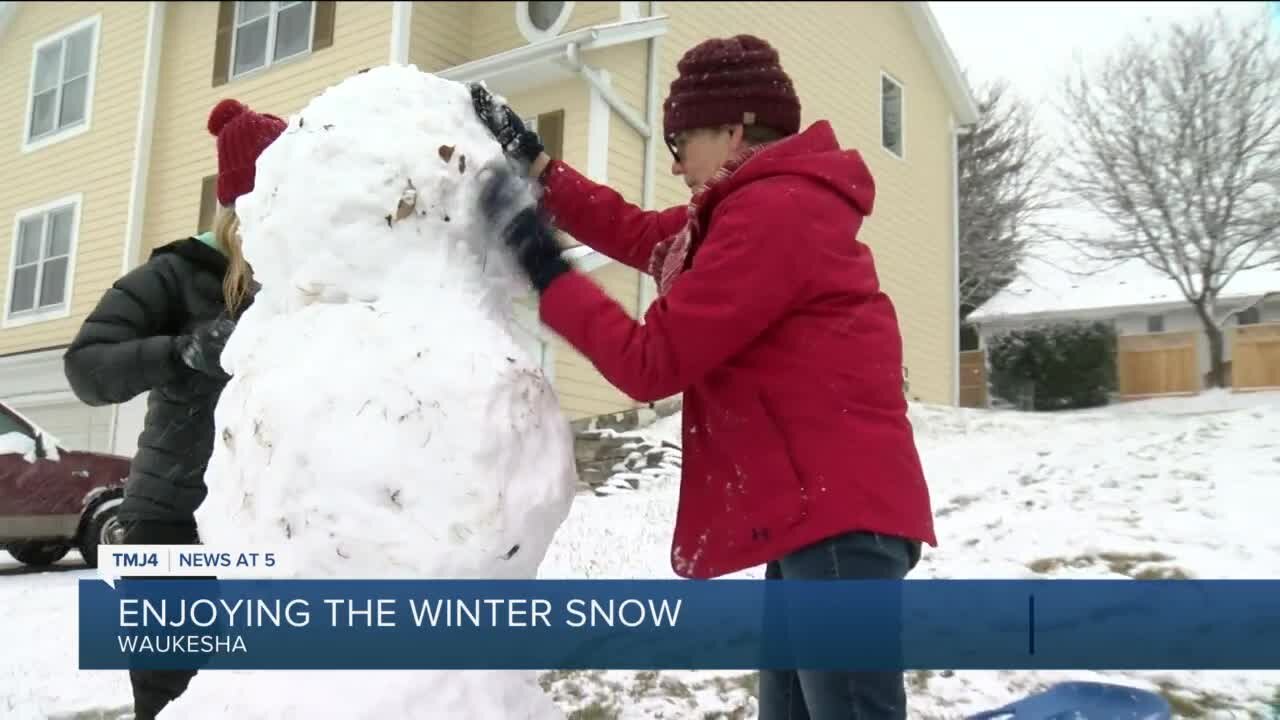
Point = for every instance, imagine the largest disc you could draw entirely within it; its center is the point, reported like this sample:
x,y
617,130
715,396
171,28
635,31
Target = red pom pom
x,y
223,113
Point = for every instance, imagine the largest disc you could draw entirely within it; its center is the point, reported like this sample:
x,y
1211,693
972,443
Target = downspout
x,y
571,54
142,138
650,179
651,110
401,25
956,132
143,134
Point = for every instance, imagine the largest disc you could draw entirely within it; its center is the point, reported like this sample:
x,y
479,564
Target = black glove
x,y
529,236
202,349
518,142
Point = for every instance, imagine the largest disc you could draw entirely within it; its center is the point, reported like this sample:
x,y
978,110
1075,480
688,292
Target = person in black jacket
x,y
161,329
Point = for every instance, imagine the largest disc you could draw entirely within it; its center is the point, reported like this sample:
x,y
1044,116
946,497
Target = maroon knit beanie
x,y
730,81
242,136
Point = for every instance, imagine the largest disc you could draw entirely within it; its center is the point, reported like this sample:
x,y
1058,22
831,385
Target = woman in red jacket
x,y
770,320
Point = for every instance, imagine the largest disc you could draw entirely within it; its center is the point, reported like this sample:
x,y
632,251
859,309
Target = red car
x,y
53,499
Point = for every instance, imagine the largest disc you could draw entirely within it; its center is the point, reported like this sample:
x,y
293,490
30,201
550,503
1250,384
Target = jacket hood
x,y
197,252
815,154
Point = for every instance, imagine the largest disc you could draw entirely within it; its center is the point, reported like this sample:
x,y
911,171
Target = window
x,y
62,73
1155,323
10,424
43,249
550,128
891,115
1251,316
268,32
208,203
252,36
542,20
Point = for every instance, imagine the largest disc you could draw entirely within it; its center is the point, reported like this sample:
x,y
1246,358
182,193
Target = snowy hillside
x,y
1179,488
1170,488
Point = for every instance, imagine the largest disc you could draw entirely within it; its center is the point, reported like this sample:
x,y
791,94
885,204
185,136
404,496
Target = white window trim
x,y
270,61
32,145
38,316
628,11
533,34
902,120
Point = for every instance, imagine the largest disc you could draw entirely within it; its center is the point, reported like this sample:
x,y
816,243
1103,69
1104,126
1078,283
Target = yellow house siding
x,y
910,228
494,24
583,391
440,35
184,151
96,163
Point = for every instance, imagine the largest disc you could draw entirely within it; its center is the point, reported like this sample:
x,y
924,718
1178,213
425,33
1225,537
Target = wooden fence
x,y
1255,357
973,379
1158,365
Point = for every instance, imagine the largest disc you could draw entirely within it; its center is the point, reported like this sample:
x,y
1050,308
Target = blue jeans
x,y
821,695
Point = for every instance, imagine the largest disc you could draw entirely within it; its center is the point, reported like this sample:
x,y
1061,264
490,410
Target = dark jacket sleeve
x,y
125,346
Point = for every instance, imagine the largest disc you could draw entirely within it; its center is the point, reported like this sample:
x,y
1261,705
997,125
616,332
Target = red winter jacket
x,y
778,334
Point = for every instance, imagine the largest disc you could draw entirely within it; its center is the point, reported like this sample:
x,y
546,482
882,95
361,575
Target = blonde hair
x,y
235,285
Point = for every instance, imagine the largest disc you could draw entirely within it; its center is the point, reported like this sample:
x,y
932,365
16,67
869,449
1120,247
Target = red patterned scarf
x,y
671,255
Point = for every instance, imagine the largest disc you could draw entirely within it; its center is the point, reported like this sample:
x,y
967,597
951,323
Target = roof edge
x,y
595,37
944,62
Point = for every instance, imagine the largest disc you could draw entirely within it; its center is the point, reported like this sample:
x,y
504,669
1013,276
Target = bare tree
x,y
1000,189
1175,140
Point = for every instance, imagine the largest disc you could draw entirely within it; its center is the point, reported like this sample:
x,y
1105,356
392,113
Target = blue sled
x,y
1084,701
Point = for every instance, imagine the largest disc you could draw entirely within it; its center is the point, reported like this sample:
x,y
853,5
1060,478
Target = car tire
x,y
102,528
38,554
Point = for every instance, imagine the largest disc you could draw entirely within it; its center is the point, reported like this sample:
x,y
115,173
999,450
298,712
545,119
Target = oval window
x,y
543,15
542,20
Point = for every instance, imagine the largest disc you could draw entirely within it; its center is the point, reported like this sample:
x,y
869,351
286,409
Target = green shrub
x,y
1054,367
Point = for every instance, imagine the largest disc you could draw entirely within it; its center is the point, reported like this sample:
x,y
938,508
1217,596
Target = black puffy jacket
x,y
126,347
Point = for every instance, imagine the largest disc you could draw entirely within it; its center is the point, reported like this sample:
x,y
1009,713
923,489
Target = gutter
x,y
572,56
592,38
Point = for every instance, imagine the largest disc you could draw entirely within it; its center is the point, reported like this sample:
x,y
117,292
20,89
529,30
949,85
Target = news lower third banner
x,y
679,624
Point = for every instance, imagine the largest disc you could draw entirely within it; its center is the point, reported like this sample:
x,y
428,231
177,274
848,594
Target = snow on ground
x,y
1167,488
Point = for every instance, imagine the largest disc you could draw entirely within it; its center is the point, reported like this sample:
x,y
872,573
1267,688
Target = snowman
x,y
383,421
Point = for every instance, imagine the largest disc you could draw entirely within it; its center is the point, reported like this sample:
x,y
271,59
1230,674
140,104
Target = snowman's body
x,y
382,421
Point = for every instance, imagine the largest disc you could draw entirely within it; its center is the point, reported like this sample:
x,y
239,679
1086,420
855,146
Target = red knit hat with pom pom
x,y
731,81
242,136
